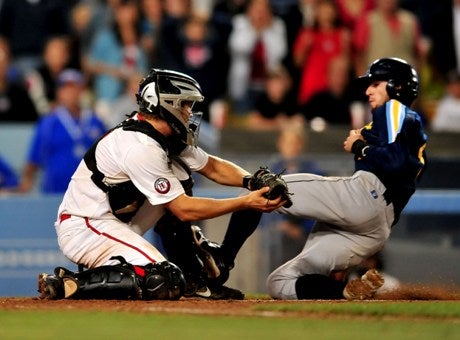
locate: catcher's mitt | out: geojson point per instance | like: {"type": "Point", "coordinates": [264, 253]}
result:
{"type": "Point", "coordinates": [266, 178]}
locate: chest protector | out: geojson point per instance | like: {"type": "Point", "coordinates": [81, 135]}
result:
{"type": "Point", "coordinates": [124, 198]}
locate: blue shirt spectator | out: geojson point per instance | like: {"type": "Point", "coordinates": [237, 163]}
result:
{"type": "Point", "coordinates": [8, 178]}
{"type": "Point", "coordinates": [62, 137]}
{"type": "Point", "coordinates": [116, 54]}
{"type": "Point", "coordinates": [108, 54]}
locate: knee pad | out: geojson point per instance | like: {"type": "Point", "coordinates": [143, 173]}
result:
{"type": "Point", "coordinates": [163, 281]}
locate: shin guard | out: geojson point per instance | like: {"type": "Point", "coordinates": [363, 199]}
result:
{"type": "Point", "coordinates": [108, 282]}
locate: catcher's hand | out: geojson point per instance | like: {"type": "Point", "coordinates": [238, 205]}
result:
{"type": "Point", "coordinates": [266, 178]}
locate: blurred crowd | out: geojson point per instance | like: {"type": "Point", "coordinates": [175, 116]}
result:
{"type": "Point", "coordinates": [262, 64]}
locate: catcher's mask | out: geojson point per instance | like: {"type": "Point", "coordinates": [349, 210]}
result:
{"type": "Point", "coordinates": [403, 82]}
{"type": "Point", "coordinates": [166, 93]}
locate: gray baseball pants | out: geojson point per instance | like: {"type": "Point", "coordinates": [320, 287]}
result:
{"type": "Point", "coordinates": [353, 223]}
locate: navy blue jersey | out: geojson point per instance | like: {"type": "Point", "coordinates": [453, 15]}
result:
{"type": "Point", "coordinates": [396, 152]}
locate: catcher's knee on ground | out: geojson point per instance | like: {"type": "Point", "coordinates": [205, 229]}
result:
{"type": "Point", "coordinates": [155, 281]}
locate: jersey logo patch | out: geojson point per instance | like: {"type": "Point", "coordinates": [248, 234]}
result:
{"type": "Point", "coordinates": [374, 194]}
{"type": "Point", "coordinates": [162, 185]}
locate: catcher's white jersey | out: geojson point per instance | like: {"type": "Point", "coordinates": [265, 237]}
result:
{"type": "Point", "coordinates": [90, 234]}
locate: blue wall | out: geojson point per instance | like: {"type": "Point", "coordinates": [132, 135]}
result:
{"type": "Point", "coordinates": [28, 244]}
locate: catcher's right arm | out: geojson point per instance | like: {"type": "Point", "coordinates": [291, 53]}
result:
{"type": "Point", "coordinates": [266, 178]}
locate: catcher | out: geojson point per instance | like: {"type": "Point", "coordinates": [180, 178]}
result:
{"type": "Point", "coordinates": [138, 176]}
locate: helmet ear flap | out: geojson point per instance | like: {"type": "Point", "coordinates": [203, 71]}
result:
{"type": "Point", "coordinates": [392, 89]}
{"type": "Point", "coordinates": [148, 96]}
{"type": "Point", "coordinates": [398, 92]}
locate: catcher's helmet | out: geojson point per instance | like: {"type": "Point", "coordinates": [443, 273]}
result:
{"type": "Point", "coordinates": [162, 93]}
{"type": "Point", "coordinates": [402, 78]}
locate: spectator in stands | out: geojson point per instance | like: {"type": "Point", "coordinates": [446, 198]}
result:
{"type": "Point", "coordinates": [85, 19]}
{"type": "Point", "coordinates": [351, 11]}
{"type": "Point", "coordinates": [124, 104]}
{"type": "Point", "coordinates": [276, 105]}
{"type": "Point", "coordinates": [175, 13]}
{"type": "Point", "coordinates": [315, 47]}
{"type": "Point", "coordinates": [201, 52]}
{"type": "Point", "coordinates": [292, 147]}
{"type": "Point", "coordinates": [295, 14]}
{"type": "Point", "coordinates": [308, 10]}
{"type": "Point", "coordinates": [388, 30]}
{"type": "Point", "coordinates": [203, 55]}
{"type": "Point", "coordinates": [292, 231]}
{"type": "Point", "coordinates": [8, 177]}
{"type": "Point", "coordinates": [61, 137]}
{"type": "Point", "coordinates": [447, 115]}
{"type": "Point", "coordinates": [41, 82]}
{"type": "Point", "coordinates": [28, 24]}
{"type": "Point", "coordinates": [115, 55]}
{"type": "Point", "coordinates": [229, 8]}
{"type": "Point", "coordinates": [299, 14]}
{"type": "Point", "coordinates": [15, 103]}
{"type": "Point", "coordinates": [333, 104]}
{"type": "Point", "coordinates": [445, 51]}
{"type": "Point", "coordinates": [151, 27]}
{"type": "Point", "coordinates": [257, 44]}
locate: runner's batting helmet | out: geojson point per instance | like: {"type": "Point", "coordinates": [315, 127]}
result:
{"type": "Point", "coordinates": [402, 78]}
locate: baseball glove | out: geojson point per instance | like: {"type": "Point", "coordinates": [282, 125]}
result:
{"type": "Point", "coordinates": [266, 178]}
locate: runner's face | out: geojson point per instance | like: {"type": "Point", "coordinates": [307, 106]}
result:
{"type": "Point", "coordinates": [377, 93]}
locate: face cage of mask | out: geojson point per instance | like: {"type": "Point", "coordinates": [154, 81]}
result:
{"type": "Point", "coordinates": [174, 106]}
{"type": "Point", "coordinates": [193, 130]}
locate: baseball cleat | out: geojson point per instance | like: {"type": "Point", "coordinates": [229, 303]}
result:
{"type": "Point", "coordinates": [203, 292]}
{"type": "Point", "coordinates": [210, 254]}
{"type": "Point", "coordinates": [197, 287]}
{"type": "Point", "coordinates": [364, 288]}
{"type": "Point", "coordinates": [225, 293]}
{"type": "Point", "coordinates": [217, 293]}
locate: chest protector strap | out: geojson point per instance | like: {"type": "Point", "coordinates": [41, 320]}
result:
{"type": "Point", "coordinates": [124, 198]}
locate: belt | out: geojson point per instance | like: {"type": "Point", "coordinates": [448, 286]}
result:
{"type": "Point", "coordinates": [64, 217]}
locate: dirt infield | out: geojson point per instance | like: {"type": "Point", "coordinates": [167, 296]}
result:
{"type": "Point", "coordinates": [204, 307]}
{"type": "Point", "coordinates": [183, 306]}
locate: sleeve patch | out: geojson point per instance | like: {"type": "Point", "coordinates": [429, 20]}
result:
{"type": "Point", "coordinates": [395, 114]}
{"type": "Point", "coordinates": [162, 185]}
